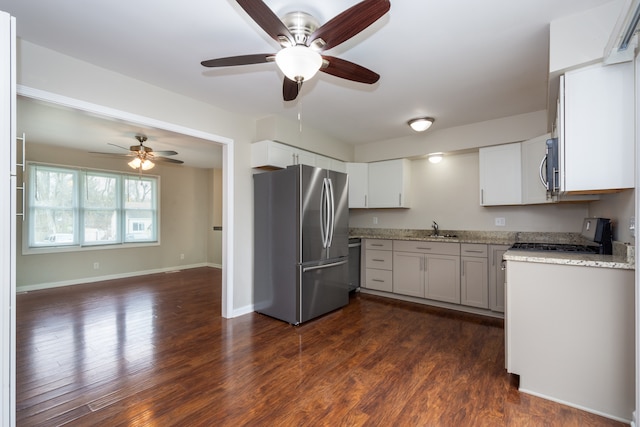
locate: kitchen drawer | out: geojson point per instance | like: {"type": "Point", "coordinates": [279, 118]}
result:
{"type": "Point", "coordinates": [385, 245]}
{"type": "Point", "coordinates": [379, 259]}
{"type": "Point", "coordinates": [474, 250]}
{"type": "Point", "coordinates": [380, 280]}
{"type": "Point", "coordinates": [425, 247]}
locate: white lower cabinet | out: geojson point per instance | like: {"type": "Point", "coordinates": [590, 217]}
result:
{"type": "Point", "coordinates": [467, 274]}
{"type": "Point", "coordinates": [474, 278]}
{"type": "Point", "coordinates": [443, 278]}
{"type": "Point", "coordinates": [427, 270]}
{"type": "Point", "coordinates": [378, 265]}
{"type": "Point", "coordinates": [408, 274]}
{"type": "Point", "coordinates": [496, 277]}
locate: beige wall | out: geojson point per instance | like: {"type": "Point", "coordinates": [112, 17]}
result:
{"type": "Point", "coordinates": [184, 223]}
{"type": "Point", "coordinates": [215, 219]}
{"type": "Point", "coordinates": [448, 193]}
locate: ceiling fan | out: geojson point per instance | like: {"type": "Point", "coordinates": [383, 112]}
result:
{"type": "Point", "coordinates": [143, 155]}
{"type": "Point", "coordinates": [302, 40]}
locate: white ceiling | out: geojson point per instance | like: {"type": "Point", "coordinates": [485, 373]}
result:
{"type": "Point", "coordinates": [460, 61]}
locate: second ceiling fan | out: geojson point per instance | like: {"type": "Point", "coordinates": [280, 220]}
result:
{"type": "Point", "coordinates": [302, 39]}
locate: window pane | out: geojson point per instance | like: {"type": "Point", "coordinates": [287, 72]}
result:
{"type": "Point", "coordinates": [100, 209]}
{"type": "Point", "coordinates": [52, 202]}
{"type": "Point", "coordinates": [140, 210]}
{"type": "Point", "coordinates": [140, 226]}
{"type": "Point", "coordinates": [139, 193]}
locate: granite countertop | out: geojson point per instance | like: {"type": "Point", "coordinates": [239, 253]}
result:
{"type": "Point", "coordinates": [568, 258]}
{"type": "Point", "coordinates": [623, 254]}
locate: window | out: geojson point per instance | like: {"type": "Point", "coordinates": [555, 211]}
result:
{"type": "Point", "coordinates": [81, 208]}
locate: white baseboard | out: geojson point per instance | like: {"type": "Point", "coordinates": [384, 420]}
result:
{"type": "Point", "coordinates": [574, 405]}
{"type": "Point", "coordinates": [243, 310]}
{"type": "Point", "coordinates": [50, 285]}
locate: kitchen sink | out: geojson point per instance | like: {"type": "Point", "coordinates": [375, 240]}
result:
{"type": "Point", "coordinates": [444, 236]}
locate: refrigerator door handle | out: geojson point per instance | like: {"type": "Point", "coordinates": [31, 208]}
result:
{"type": "Point", "coordinates": [332, 211]}
{"type": "Point", "coordinates": [319, 267]}
{"type": "Point", "coordinates": [324, 214]}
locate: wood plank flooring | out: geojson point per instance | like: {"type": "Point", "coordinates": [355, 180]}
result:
{"type": "Point", "coordinates": [154, 351]}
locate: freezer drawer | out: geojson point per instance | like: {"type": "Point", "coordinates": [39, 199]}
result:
{"type": "Point", "coordinates": [324, 288]}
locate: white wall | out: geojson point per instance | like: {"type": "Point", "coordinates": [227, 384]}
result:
{"type": "Point", "coordinates": [492, 132]}
{"type": "Point", "coordinates": [298, 134]}
{"type": "Point", "coordinates": [620, 208]}
{"type": "Point", "coordinates": [448, 193]}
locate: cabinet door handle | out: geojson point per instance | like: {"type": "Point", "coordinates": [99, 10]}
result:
{"type": "Point", "coordinates": [399, 199]}
{"type": "Point", "coordinates": [482, 196]}
{"type": "Point", "coordinates": [365, 200]}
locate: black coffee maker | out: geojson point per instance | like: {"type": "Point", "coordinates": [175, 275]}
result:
{"type": "Point", "coordinates": [598, 230]}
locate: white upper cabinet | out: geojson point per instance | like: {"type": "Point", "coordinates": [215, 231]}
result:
{"type": "Point", "coordinates": [331, 164]}
{"type": "Point", "coordinates": [596, 128]}
{"type": "Point", "coordinates": [389, 184]}
{"type": "Point", "coordinates": [358, 184]}
{"type": "Point", "coordinates": [500, 175]}
{"type": "Point", "coordinates": [272, 154]}
{"type": "Point", "coordinates": [275, 155]}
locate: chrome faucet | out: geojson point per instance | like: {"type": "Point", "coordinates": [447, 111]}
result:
{"type": "Point", "coordinates": [435, 228]}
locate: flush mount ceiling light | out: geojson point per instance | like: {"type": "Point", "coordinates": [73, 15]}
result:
{"type": "Point", "coordinates": [299, 63]}
{"type": "Point", "coordinates": [435, 157]}
{"type": "Point", "coordinates": [421, 124]}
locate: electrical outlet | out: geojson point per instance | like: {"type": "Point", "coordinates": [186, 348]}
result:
{"type": "Point", "coordinates": [96, 265]}
{"type": "Point", "coordinates": [501, 222]}
{"type": "Point", "coordinates": [375, 220]}
{"type": "Point", "coordinates": [632, 226]}
{"type": "Point", "coordinates": [181, 256]}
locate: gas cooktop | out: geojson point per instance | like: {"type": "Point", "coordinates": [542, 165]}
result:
{"type": "Point", "coordinates": [557, 247]}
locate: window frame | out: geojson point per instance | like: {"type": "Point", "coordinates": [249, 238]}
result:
{"type": "Point", "coordinates": [79, 244]}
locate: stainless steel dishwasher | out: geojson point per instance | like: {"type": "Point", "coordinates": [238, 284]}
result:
{"type": "Point", "coordinates": [354, 263]}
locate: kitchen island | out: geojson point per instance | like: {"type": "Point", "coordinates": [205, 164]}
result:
{"type": "Point", "coordinates": [569, 329]}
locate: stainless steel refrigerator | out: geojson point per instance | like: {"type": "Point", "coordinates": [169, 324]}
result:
{"type": "Point", "coordinates": [301, 243]}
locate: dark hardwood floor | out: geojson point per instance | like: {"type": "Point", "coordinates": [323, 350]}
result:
{"type": "Point", "coordinates": [154, 351]}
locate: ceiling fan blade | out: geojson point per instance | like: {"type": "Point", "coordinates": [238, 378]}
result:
{"type": "Point", "coordinates": [119, 146]}
{"type": "Point", "coordinates": [165, 153]}
{"type": "Point", "coordinates": [290, 89]}
{"type": "Point", "coordinates": [350, 22]}
{"type": "Point", "coordinates": [112, 154]}
{"type": "Point", "coordinates": [350, 71]}
{"type": "Point", "coordinates": [229, 61]}
{"type": "Point", "coordinates": [166, 160]}
{"type": "Point", "coordinates": [266, 19]}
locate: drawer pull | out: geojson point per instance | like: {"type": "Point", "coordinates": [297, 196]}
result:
{"type": "Point", "coordinates": [379, 260]}
{"type": "Point", "coordinates": [377, 244]}
{"type": "Point", "coordinates": [377, 280]}
{"type": "Point", "coordinates": [474, 251]}
{"type": "Point", "coordinates": [420, 247]}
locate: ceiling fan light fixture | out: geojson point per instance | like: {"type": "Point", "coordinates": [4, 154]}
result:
{"type": "Point", "coordinates": [138, 163]}
{"type": "Point", "coordinates": [299, 63]}
{"type": "Point", "coordinates": [421, 124]}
